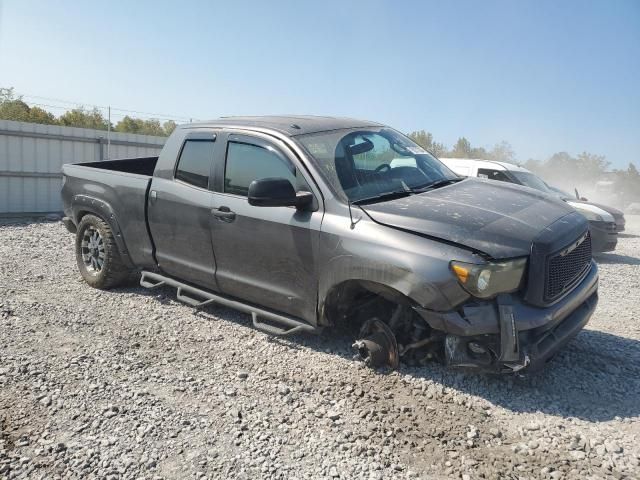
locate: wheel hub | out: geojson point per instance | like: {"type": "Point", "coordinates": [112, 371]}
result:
{"type": "Point", "coordinates": [93, 253]}
{"type": "Point", "coordinates": [377, 345]}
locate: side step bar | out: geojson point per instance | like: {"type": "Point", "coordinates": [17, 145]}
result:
{"type": "Point", "coordinates": [199, 298]}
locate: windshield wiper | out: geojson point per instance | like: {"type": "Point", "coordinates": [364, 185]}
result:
{"type": "Point", "coordinates": [436, 184]}
{"type": "Point", "coordinates": [384, 196]}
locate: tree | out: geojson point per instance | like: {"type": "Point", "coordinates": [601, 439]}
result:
{"type": "Point", "coordinates": [502, 151]}
{"type": "Point", "coordinates": [143, 127]}
{"type": "Point", "coordinates": [462, 149]}
{"type": "Point", "coordinates": [7, 95]}
{"type": "Point", "coordinates": [439, 149]}
{"type": "Point", "coordinates": [152, 127]}
{"type": "Point", "coordinates": [422, 138]}
{"type": "Point", "coordinates": [12, 107]}
{"type": "Point", "coordinates": [627, 184]}
{"type": "Point", "coordinates": [15, 110]}
{"type": "Point", "coordinates": [40, 115]}
{"type": "Point", "coordinates": [590, 165]}
{"type": "Point", "coordinates": [79, 117]}
{"type": "Point", "coordinates": [478, 152]}
{"type": "Point", "coordinates": [169, 126]}
{"type": "Point", "coordinates": [128, 125]}
{"type": "Point", "coordinates": [586, 168]}
{"type": "Point", "coordinates": [425, 140]}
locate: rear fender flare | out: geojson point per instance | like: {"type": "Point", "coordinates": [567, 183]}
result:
{"type": "Point", "coordinates": [85, 204]}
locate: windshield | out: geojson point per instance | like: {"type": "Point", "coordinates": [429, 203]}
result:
{"type": "Point", "coordinates": [364, 164]}
{"type": "Point", "coordinates": [528, 179]}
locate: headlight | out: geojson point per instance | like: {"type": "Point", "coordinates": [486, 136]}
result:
{"type": "Point", "coordinates": [592, 213]}
{"type": "Point", "coordinates": [489, 279]}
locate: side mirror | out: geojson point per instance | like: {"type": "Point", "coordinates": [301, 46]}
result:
{"type": "Point", "coordinates": [277, 192]}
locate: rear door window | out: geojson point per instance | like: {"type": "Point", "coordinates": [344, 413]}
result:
{"type": "Point", "coordinates": [194, 165]}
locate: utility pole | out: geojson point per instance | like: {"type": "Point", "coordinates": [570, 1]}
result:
{"type": "Point", "coordinates": [108, 131]}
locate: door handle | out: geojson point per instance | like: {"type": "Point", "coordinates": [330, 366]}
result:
{"type": "Point", "coordinates": [224, 213]}
{"type": "Point", "coordinates": [153, 195]}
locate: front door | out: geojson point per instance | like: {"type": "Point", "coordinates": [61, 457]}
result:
{"type": "Point", "coordinates": [264, 255]}
{"type": "Point", "coordinates": [180, 214]}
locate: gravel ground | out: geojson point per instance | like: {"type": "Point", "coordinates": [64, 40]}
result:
{"type": "Point", "coordinates": [132, 384]}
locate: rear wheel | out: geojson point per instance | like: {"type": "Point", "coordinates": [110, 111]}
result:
{"type": "Point", "coordinates": [97, 254]}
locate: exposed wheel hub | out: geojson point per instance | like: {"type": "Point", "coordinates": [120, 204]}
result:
{"type": "Point", "coordinates": [377, 345]}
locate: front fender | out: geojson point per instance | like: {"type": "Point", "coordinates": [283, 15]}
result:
{"type": "Point", "coordinates": [414, 266]}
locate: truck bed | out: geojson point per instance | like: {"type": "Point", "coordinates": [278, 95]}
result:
{"type": "Point", "coordinates": [117, 191]}
{"type": "Point", "coordinates": [139, 166]}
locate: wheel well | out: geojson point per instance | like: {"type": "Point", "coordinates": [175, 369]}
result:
{"type": "Point", "coordinates": [110, 220]}
{"type": "Point", "coordinates": [84, 213]}
{"type": "Point", "coordinates": [349, 300]}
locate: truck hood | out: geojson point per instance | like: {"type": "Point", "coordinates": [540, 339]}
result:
{"type": "Point", "coordinates": [497, 218]}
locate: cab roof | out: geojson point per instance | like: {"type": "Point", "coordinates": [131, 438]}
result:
{"type": "Point", "coordinates": [290, 125]}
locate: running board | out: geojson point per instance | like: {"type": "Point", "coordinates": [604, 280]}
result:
{"type": "Point", "coordinates": [194, 297]}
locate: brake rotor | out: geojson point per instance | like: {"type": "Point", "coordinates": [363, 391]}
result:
{"type": "Point", "coordinates": [377, 345]}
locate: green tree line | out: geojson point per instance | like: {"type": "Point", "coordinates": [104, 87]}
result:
{"type": "Point", "coordinates": [13, 107]}
{"type": "Point", "coordinates": [463, 149]}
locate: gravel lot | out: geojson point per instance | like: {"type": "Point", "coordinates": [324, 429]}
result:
{"type": "Point", "coordinates": [132, 384]}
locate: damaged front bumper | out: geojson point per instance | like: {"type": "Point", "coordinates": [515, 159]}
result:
{"type": "Point", "coordinates": [508, 335]}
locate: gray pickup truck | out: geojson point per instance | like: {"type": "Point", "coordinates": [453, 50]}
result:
{"type": "Point", "coordinates": [304, 223]}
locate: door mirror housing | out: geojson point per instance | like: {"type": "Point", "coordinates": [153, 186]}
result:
{"type": "Point", "coordinates": [277, 192]}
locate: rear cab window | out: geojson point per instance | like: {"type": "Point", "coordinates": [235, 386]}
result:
{"type": "Point", "coordinates": [195, 162]}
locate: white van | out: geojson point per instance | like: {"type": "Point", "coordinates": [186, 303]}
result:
{"type": "Point", "coordinates": [493, 170]}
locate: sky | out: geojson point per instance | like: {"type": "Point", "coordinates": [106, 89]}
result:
{"type": "Point", "coordinates": [545, 76]}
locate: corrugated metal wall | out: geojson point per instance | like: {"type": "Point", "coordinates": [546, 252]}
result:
{"type": "Point", "coordinates": [31, 158]}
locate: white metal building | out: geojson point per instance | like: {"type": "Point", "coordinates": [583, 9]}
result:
{"type": "Point", "coordinates": [32, 155]}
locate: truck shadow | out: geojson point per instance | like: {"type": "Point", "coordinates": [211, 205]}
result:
{"type": "Point", "coordinates": [615, 259]}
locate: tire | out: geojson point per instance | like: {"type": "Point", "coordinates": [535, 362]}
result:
{"type": "Point", "coordinates": [97, 254]}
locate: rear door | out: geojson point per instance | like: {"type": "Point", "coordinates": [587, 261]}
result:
{"type": "Point", "coordinates": [265, 255]}
{"type": "Point", "coordinates": [180, 213]}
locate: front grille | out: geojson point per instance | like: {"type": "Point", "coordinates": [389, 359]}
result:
{"type": "Point", "coordinates": [566, 269]}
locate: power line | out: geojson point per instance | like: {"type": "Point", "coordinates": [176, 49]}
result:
{"type": "Point", "coordinates": [118, 115]}
{"type": "Point", "coordinates": [161, 116]}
